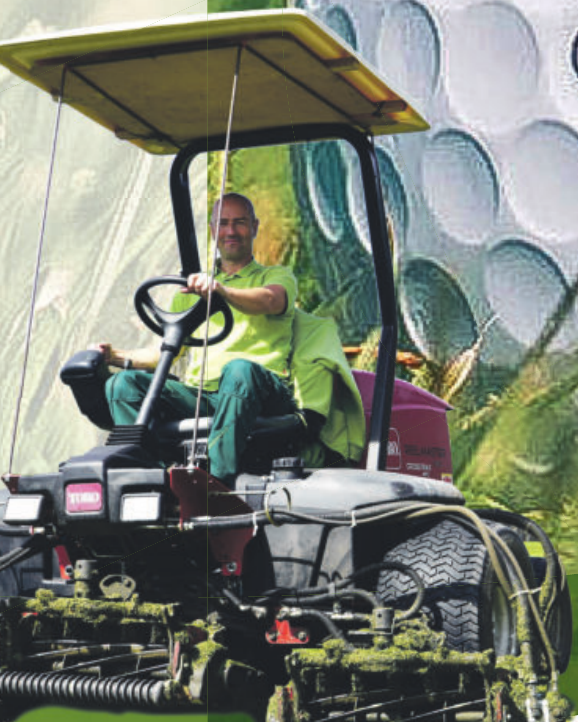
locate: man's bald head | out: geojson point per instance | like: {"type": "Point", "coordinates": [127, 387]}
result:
{"type": "Point", "coordinates": [237, 230]}
{"type": "Point", "coordinates": [239, 198]}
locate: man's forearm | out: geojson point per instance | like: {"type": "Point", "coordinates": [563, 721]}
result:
{"type": "Point", "coordinates": [270, 300]}
{"type": "Point", "coordinates": [145, 359]}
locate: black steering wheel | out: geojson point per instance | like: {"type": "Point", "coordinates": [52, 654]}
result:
{"type": "Point", "coordinates": [186, 322]}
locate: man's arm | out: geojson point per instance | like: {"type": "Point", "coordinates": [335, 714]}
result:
{"type": "Point", "coordinates": [270, 300]}
{"type": "Point", "coordinates": [140, 358]}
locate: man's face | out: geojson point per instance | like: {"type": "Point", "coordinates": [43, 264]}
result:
{"type": "Point", "coordinates": [236, 232]}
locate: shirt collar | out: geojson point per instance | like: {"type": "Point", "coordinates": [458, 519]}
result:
{"type": "Point", "coordinates": [247, 270]}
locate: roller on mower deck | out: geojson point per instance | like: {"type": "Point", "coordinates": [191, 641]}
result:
{"type": "Point", "coordinates": [131, 579]}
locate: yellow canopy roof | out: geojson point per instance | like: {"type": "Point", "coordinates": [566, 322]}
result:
{"type": "Point", "coordinates": [166, 84]}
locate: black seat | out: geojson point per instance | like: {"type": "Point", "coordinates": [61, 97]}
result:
{"type": "Point", "coordinates": [265, 426]}
{"type": "Point", "coordinates": [272, 436]}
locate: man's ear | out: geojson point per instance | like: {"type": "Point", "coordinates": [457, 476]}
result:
{"type": "Point", "coordinates": [255, 227]}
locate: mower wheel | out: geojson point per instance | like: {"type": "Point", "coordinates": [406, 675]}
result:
{"type": "Point", "coordinates": [559, 620]}
{"type": "Point", "coordinates": [463, 597]}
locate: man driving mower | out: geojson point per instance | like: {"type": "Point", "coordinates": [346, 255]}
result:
{"type": "Point", "coordinates": [247, 375]}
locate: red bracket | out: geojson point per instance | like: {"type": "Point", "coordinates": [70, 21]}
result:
{"type": "Point", "coordinates": [11, 481]}
{"type": "Point", "coordinates": [283, 633]}
{"type": "Point", "coordinates": [64, 562]}
{"type": "Point", "coordinates": [200, 496]}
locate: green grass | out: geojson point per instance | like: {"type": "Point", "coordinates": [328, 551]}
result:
{"type": "Point", "coordinates": [58, 714]}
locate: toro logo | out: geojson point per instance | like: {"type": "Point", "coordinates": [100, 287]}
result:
{"type": "Point", "coordinates": [393, 450]}
{"type": "Point", "coordinates": [83, 498]}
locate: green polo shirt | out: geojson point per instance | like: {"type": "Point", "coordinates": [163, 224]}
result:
{"type": "Point", "coordinates": [264, 339]}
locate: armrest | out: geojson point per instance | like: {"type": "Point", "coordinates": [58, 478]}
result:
{"type": "Point", "coordinates": [84, 366]}
{"type": "Point", "coordinates": [86, 374]}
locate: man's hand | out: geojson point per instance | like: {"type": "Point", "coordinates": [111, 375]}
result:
{"type": "Point", "coordinates": [270, 300]}
{"type": "Point", "coordinates": [142, 358]}
{"type": "Point", "coordinates": [111, 357]}
{"type": "Point", "coordinates": [200, 283]}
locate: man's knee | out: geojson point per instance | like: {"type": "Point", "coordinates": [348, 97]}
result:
{"type": "Point", "coordinates": [127, 385]}
{"type": "Point", "coordinates": [239, 376]}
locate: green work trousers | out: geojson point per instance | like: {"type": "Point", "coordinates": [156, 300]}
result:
{"type": "Point", "coordinates": [246, 391]}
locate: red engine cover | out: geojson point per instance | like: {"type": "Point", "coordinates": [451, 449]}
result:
{"type": "Point", "coordinates": [419, 439]}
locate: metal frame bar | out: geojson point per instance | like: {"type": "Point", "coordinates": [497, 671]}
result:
{"type": "Point", "coordinates": [188, 248]}
{"type": "Point", "coordinates": [301, 85]}
{"type": "Point", "coordinates": [159, 134]}
{"type": "Point", "coordinates": [127, 54]}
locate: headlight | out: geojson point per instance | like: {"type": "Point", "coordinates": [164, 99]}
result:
{"type": "Point", "coordinates": [141, 507]}
{"type": "Point", "coordinates": [24, 509]}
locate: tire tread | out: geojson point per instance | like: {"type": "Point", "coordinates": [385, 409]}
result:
{"type": "Point", "coordinates": [452, 562]}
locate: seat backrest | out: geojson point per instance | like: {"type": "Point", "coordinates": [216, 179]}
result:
{"type": "Point", "coordinates": [419, 441]}
{"type": "Point", "coordinates": [323, 384]}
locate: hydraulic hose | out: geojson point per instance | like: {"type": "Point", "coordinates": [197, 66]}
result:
{"type": "Point", "coordinates": [516, 586]}
{"type": "Point", "coordinates": [549, 592]}
{"type": "Point", "coordinates": [344, 518]}
{"type": "Point", "coordinates": [403, 569]}
{"type": "Point", "coordinates": [333, 630]}
{"type": "Point", "coordinates": [316, 595]}
{"type": "Point", "coordinates": [337, 594]}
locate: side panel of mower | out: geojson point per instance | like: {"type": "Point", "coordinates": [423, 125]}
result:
{"type": "Point", "coordinates": [305, 556]}
{"type": "Point", "coordinates": [419, 439]}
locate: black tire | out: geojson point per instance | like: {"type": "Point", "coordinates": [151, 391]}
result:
{"type": "Point", "coordinates": [463, 596]}
{"type": "Point", "coordinates": [559, 622]}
